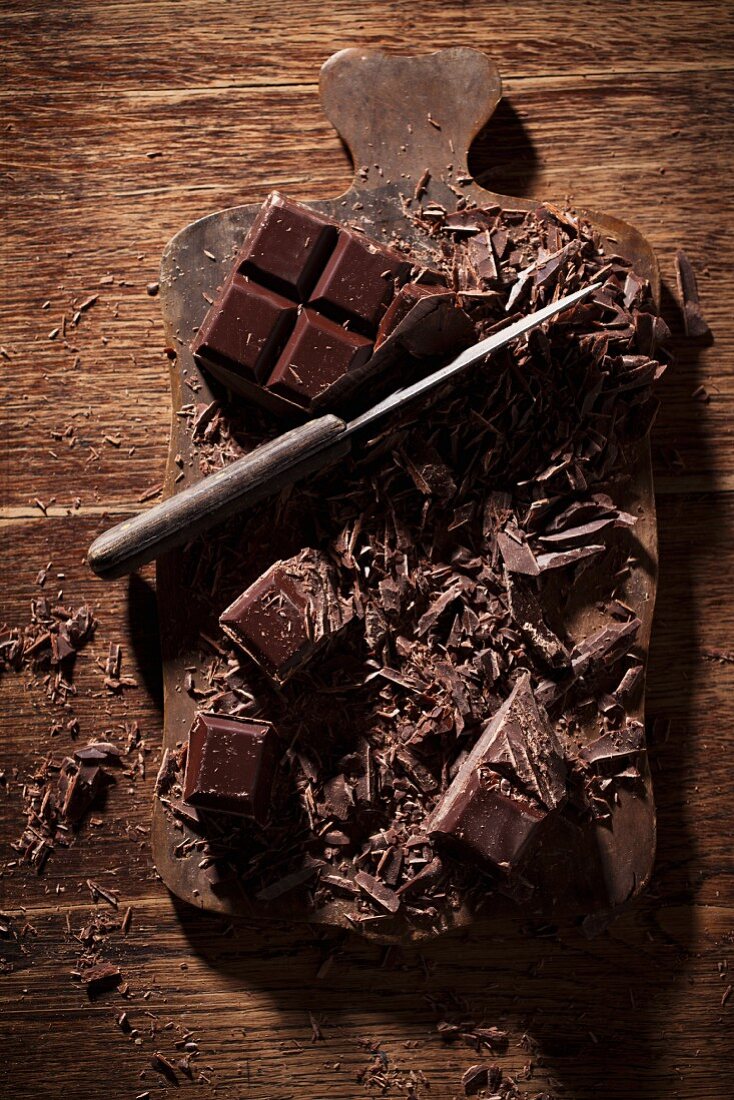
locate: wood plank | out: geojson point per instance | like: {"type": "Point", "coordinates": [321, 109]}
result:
{"type": "Point", "coordinates": [78, 44]}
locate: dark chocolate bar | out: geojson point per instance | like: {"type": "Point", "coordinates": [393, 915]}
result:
{"type": "Point", "coordinates": [300, 309]}
{"type": "Point", "coordinates": [288, 613]}
{"type": "Point", "coordinates": [511, 780]}
{"type": "Point", "coordinates": [230, 765]}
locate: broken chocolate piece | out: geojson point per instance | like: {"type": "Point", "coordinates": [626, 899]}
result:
{"type": "Point", "coordinates": [230, 765]}
{"type": "Point", "coordinates": [528, 614]}
{"type": "Point", "coordinates": [445, 330]}
{"type": "Point", "coordinates": [512, 778]}
{"type": "Point", "coordinates": [693, 319]}
{"type": "Point", "coordinates": [615, 750]}
{"type": "Point", "coordinates": [378, 891]}
{"type": "Point", "coordinates": [286, 615]}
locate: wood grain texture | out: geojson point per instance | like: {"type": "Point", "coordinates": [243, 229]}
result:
{"type": "Point", "coordinates": [591, 107]}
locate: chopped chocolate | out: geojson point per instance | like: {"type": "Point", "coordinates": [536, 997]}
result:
{"type": "Point", "coordinates": [615, 749]}
{"type": "Point", "coordinates": [378, 891]}
{"type": "Point", "coordinates": [230, 765]}
{"type": "Point", "coordinates": [465, 543]}
{"type": "Point", "coordinates": [604, 646]}
{"type": "Point", "coordinates": [693, 319]}
{"type": "Point", "coordinates": [528, 614]}
{"type": "Point", "coordinates": [513, 777]}
{"type": "Point", "coordinates": [101, 977]}
{"type": "Point", "coordinates": [286, 615]}
{"type": "Point", "coordinates": [299, 312]}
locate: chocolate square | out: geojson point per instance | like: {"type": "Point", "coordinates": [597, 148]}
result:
{"type": "Point", "coordinates": [288, 613]}
{"type": "Point", "coordinates": [230, 765]}
{"type": "Point", "coordinates": [318, 353]}
{"type": "Point", "coordinates": [358, 281]}
{"type": "Point", "coordinates": [288, 246]}
{"type": "Point", "coordinates": [246, 329]}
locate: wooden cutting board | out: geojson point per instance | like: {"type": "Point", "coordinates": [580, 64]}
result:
{"type": "Point", "coordinates": [399, 116]}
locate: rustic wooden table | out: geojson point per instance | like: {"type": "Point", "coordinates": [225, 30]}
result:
{"type": "Point", "coordinates": [123, 122]}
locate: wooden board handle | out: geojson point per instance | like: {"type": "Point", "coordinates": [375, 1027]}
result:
{"type": "Point", "coordinates": [408, 114]}
{"type": "Point", "coordinates": [264, 471]}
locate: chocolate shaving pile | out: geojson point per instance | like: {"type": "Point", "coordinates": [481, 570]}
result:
{"type": "Point", "coordinates": [465, 535]}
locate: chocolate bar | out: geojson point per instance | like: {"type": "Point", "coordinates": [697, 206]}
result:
{"type": "Point", "coordinates": [301, 308]}
{"type": "Point", "coordinates": [230, 765]}
{"type": "Point", "coordinates": [511, 780]}
{"type": "Point", "coordinates": [288, 613]}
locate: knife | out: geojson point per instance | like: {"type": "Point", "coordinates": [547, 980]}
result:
{"type": "Point", "coordinates": [288, 458]}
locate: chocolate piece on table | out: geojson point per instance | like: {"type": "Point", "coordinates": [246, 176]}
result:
{"type": "Point", "coordinates": [296, 320]}
{"type": "Point", "coordinates": [511, 780]}
{"type": "Point", "coordinates": [230, 765]}
{"type": "Point", "coordinates": [288, 613]}
{"type": "Point", "coordinates": [693, 319]}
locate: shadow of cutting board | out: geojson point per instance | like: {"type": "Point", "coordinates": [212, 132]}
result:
{"type": "Point", "coordinates": [399, 116]}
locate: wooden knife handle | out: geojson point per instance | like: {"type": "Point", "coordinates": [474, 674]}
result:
{"type": "Point", "coordinates": [264, 471]}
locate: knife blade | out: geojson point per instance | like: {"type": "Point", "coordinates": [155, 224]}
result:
{"type": "Point", "coordinates": [288, 458]}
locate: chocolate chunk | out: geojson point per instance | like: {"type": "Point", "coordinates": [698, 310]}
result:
{"type": "Point", "coordinates": [79, 784]}
{"type": "Point", "coordinates": [512, 778]}
{"type": "Point", "coordinates": [378, 892]}
{"type": "Point", "coordinates": [445, 329]}
{"type": "Point", "coordinates": [604, 646]}
{"type": "Point", "coordinates": [318, 353]}
{"type": "Point", "coordinates": [246, 329]}
{"type": "Point", "coordinates": [516, 554]}
{"type": "Point", "coordinates": [693, 319]}
{"type": "Point", "coordinates": [286, 615]}
{"type": "Point", "coordinates": [615, 750]}
{"type": "Point", "coordinates": [230, 765]}
{"type": "Point", "coordinates": [287, 246]}
{"type": "Point", "coordinates": [298, 314]}
{"type": "Point", "coordinates": [528, 614]}
{"type": "Point", "coordinates": [101, 977]}
{"type": "Point", "coordinates": [358, 280]}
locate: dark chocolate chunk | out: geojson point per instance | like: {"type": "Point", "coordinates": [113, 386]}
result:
{"type": "Point", "coordinates": [246, 328]}
{"type": "Point", "coordinates": [528, 614]}
{"type": "Point", "coordinates": [288, 245]}
{"type": "Point", "coordinates": [230, 765]}
{"type": "Point", "coordinates": [445, 330]}
{"type": "Point", "coordinates": [378, 891]}
{"type": "Point", "coordinates": [512, 778]}
{"type": "Point", "coordinates": [318, 353]}
{"type": "Point", "coordinates": [615, 750]}
{"type": "Point", "coordinates": [358, 280]}
{"type": "Point", "coordinates": [286, 615]}
{"type": "Point", "coordinates": [693, 319]}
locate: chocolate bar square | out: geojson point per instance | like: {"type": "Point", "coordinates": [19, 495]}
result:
{"type": "Point", "coordinates": [358, 281]}
{"type": "Point", "coordinates": [246, 328]}
{"type": "Point", "coordinates": [230, 765]}
{"type": "Point", "coordinates": [318, 353]}
{"type": "Point", "coordinates": [288, 613]}
{"type": "Point", "coordinates": [288, 245]}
